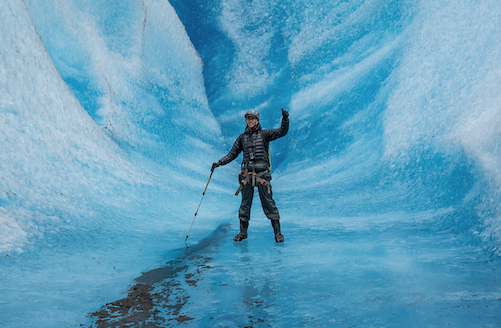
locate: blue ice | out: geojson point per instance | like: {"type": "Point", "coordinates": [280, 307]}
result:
{"type": "Point", "coordinates": [388, 183]}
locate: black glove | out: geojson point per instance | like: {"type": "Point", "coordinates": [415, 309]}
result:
{"type": "Point", "coordinates": [214, 165]}
{"type": "Point", "coordinates": [285, 114]}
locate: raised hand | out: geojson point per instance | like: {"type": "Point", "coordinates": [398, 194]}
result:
{"type": "Point", "coordinates": [285, 114]}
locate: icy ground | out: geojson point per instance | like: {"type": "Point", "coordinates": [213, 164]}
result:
{"type": "Point", "coordinates": [389, 273]}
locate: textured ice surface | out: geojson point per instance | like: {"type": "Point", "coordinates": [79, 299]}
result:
{"type": "Point", "coordinates": [392, 104]}
{"type": "Point", "coordinates": [388, 181]}
{"type": "Point", "coordinates": [389, 273]}
{"type": "Point", "coordinates": [79, 207]}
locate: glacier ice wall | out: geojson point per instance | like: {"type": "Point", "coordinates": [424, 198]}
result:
{"type": "Point", "coordinates": [106, 147]}
{"type": "Point", "coordinates": [393, 104]}
{"type": "Point", "coordinates": [52, 151]}
{"type": "Point", "coordinates": [112, 112]}
{"type": "Point", "coordinates": [133, 68]}
{"type": "Point", "coordinates": [61, 157]}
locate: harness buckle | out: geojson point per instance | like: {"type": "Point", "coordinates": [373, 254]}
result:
{"type": "Point", "coordinates": [251, 177]}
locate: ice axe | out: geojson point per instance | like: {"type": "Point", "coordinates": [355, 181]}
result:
{"type": "Point", "coordinates": [212, 171]}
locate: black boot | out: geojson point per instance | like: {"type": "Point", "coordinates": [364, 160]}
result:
{"type": "Point", "coordinates": [276, 229]}
{"type": "Point", "coordinates": [243, 231]}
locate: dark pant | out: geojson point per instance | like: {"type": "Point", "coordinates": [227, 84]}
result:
{"type": "Point", "coordinates": [269, 206]}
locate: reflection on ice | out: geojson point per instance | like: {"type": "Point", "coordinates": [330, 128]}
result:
{"type": "Point", "coordinates": [393, 275]}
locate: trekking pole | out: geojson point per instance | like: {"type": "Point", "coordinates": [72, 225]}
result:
{"type": "Point", "coordinates": [199, 206]}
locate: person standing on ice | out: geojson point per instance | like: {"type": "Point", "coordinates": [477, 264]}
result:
{"type": "Point", "coordinates": [256, 170]}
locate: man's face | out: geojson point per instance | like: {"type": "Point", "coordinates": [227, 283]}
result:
{"type": "Point", "coordinates": [251, 121]}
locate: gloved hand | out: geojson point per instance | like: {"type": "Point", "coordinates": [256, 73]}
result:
{"type": "Point", "coordinates": [285, 114]}
{"type": "Point", "coordinates": [214, 165]}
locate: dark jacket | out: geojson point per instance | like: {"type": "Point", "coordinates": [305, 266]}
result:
{"type": "Point", "coordinates": [254, 148]}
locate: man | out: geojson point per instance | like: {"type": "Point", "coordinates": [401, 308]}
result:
{"type": "Point", "coordinates": [255, 170]}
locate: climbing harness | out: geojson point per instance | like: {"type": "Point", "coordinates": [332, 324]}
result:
{"type": "Point", "coordinates": [252, 178]}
